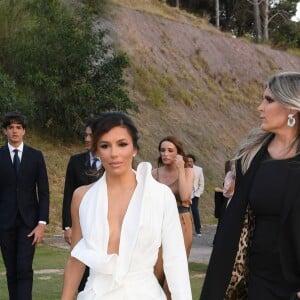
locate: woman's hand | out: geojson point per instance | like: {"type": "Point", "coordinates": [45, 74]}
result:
{"type": "Point", "coordinates": [179, 162]}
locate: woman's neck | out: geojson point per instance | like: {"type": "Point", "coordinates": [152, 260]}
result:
{"type": "Point", "coordinates": [283, 146]}
{"type": "Point", "coordinates": [123, 180]}
{"type": "Point", "coordinates": [170, 168]}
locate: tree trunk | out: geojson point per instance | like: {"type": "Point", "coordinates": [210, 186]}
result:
{"type": "Point", "coordinates": [177, 3]}
{"type": "Point", "coordinates": [217, 14]}
{"type": "Point", "coordinates": [266, 20]}
{"type": "Point", "coordinates": [257, 22]}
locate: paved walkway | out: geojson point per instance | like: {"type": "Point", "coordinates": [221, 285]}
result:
{"type": "Point", "coordinates": [202, 245]}
{"type": "Point", "coordinates": [200, 252]}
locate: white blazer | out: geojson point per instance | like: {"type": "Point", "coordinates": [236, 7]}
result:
{"type": "Point", "coordinates": [198, 187]}
{"type": "Point", "coordinates": [151, 220]}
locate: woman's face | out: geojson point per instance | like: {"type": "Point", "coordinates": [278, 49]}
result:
{"type": "Point", "coordinates": [168, 152]}
{"type": "Point", "coordinates": [116, 150]}
{"type": "Point", "coordinates": [272, 114]}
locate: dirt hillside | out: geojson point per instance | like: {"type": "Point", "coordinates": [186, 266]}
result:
{"type": "Point", "coordinates": [198, 84]}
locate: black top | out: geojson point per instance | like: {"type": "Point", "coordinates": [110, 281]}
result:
{"type": "Point", "coordinates": [223, 255]}
{"type": "Point", "coordinates": [266, 199]}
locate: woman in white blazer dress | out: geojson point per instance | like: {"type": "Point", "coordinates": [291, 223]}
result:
{"type": "Point", "coordinates": [120, 222]}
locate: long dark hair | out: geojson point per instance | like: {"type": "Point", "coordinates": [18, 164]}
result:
{"type": "Point", "coordinates": [106, 121]}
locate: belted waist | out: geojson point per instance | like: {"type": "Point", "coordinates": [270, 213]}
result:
{"type": "Point", "coordinates": [183, 209]}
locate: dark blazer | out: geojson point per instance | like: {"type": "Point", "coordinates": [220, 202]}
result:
{"type": "Point", "coordinates": [227, 237]}
{"type": "Point", "coordinates": [27, 192]}
{"type": "Point", "coordinates": [78, 173]}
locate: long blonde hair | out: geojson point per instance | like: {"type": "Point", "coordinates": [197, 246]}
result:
{"type": "Point", "coordinates": [285, 87]}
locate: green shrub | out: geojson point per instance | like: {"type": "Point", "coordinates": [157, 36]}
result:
{"type": "Point", "coordinates": [67, 66]}
{"type": "Point", "coordinates": [11, 99]}
{"type": "Point", "coordinates": [97, 6]}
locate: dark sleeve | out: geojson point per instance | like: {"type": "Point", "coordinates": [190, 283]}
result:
{"type": "Point", "coordinates": [43, 189]}
{"type": "Point", "coordinates": [70, 185]}
{"type": "Point", "coordinates": [291, 246]}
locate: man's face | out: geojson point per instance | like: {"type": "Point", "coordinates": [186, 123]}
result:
{"type": "Point", "coordinates": [15, 133]}
{"type": "Point", "coordinates": [88, 138]}
{"type": "Point", "coordinates": [189, 162]}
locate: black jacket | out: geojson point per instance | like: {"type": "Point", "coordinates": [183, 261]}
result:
{"type": "Point", "coordinates": [78, 174]}
{"type": "Point", "coordinates": [226, 242]}
{"type": "Point", "coordinates": [26, 193]}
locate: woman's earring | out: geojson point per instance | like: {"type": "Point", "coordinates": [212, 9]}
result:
{"type": "Point", "coordinates": [291, 120]}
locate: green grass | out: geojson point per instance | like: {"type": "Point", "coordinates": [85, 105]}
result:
{"type": "Point", "coordinates": [197, 271]}
{"type": "Point", "coordinates": [47, 286]}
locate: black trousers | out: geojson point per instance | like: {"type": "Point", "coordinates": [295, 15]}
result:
{"type": "Point", "coordinates": [196, 215]}
{"type": "Point", "coordinates": [17, 252]}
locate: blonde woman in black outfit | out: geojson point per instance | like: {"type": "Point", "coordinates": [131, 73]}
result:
{"type": "Point", "coordinates": [267, 183]}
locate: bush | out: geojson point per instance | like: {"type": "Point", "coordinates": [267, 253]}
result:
{"type": "Point", "coordinates": [11, 99]}
{"type": "Point", "coordinates": [286, 36]}
{"type": "Point", "coordinates": [97, 6]}
{"type": "Point", "coordinates": [70, 70]}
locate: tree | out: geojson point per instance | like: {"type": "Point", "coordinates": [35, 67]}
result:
{"type": "Point", "coordinates": [284, 32]}
{"type": "Point", "coordinates": [257, 21]}
{"type": "Point", "coordinates": [265, 17]}
{"type": "Point", "coordinates": [11, 98]}
{"type": "Point", "coordinates": [65, 66]}
{"type": "Point", "coordinates": [277, 15]}
{"type": "Point", "coordinates": [261, 19]}
{"type": "Point", "coordinates": [217, 14]}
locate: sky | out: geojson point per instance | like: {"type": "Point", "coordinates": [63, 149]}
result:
{"type": "Point", "coordinates": [297, 17]}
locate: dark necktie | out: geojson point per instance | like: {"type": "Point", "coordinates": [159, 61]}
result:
{"type": "Point", "coordinates": [94, 164]}
{"type": "Point", "coordinates": [16, 161]}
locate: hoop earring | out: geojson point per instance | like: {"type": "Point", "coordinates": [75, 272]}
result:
{"type": "Point", "coordinates": [291, 120]}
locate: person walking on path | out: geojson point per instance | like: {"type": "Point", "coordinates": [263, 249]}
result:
{"type": "Point", "coordinates": [198, 189]}
{"type": "Point", "coordinates": [173, 172]}
{"type": "Point", "coordinates": [24, 206]}
{"type": "Point", "coordinates": [81, 170]}
{"type": "Point", "coordinates": [119, 223]}
{"type": "Point", "coordinates": [256, 254]}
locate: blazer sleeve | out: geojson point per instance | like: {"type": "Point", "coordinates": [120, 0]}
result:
{"type": "Point", "coordinates": [43, 189]}
{"type": "Point", "coordinates": [69, 188]}
{"type": "Point", "coordinates": [296, 241]}
{"type": "Point", "coordinates": [290, 245]}
{"type": "Point", "coordinates": [200, 188]}
{"type": "Point", "coordinates": [174, 254]}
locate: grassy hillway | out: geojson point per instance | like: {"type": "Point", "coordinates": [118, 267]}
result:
{"type": "Point", "coordinates": [192, 81]}
{"type": "Point", "coordinates": [188, 80]}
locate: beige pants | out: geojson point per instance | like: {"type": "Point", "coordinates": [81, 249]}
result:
{"type": "Point", "coordinates": [187, 230]}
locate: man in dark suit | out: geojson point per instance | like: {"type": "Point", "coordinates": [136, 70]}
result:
{"type": "Point", "coordinates": [24, 206]}
{"type": "Point", "coordinates": [81, 170]}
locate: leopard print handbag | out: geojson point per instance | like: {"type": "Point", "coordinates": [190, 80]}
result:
{"type": "Point", "coordinates": [237, 288]}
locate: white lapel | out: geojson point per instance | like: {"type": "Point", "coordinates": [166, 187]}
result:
{"type": "Point", "coordinates": [92, 249]}
{"type": "Point", "coordinates": [133, 221]}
